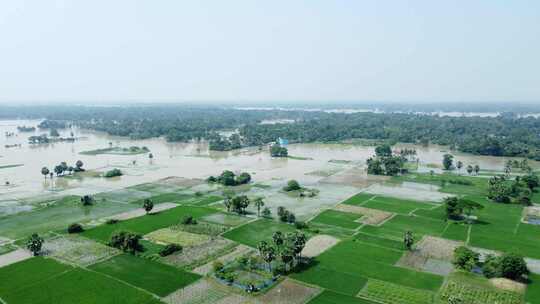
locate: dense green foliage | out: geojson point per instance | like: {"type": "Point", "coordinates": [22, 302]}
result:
{"type": "Point", "coordinates": [278, 151]}
{"type": "Point", "coordinates": [465, 258]}
{"type": "Point", "coordinates": [384, 162]}
{"type": "Point", "coordinates": [506, 135]}
{"type": "Point", "coordinates": [228, 178]}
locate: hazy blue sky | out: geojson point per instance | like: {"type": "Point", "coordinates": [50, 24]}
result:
{"type": "Point", "coordinates": [270, 50]}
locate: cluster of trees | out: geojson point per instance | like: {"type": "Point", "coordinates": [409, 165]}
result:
{"type": "Point", "coordinates": [228, 178]}
{"type": "Point", "coordinates": [285, 215]}
{"type": "Point", "coordinates": [448, 164]}
{"type": "Point", "coordinates": [503, 189]}
{"type": "Point", "coordinates": [53, 124]}
{"type": "Point", "coordinates": [505, 135]}
{"type": "Point", "coordinates": [62, 168]}
{"type": "Point", "coordinates": [126, 241]}
{"type": "Point", "coordinates": [285, 247]}
{"type": "Point", "coordinates": [385, 163]}
{"type": "Point", "coordinates": [38, 139]}
{"type": "Point", "coordinates": [456, 208]}
{"type": "Point", "coordinates": [238, 203]}
{"type": "Point", "coordinates": [278, 151]}
{"type": "Point", "coordinates": [508, 265]}
{"type": "Point", "coordinates": [217, 142]}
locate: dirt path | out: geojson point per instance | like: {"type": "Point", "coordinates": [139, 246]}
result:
{"type": "Point", "coordinates": [14, 257]}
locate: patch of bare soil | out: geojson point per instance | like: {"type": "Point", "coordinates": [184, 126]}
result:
{"type": "Point", "coordinates": [318, 244]}
{"type": "Point", "coordinates": [509, 285]}
{"type": "Point", "coordinates": [181, 181]}
{"type": "Point", "coordinates": [14, 257]}
{"type": "Point", "coordinates": [289, 292]}
{"type": "Point", "coordinates": [412, 259]}
{"type": "Point", "coordinates": [356, 177]}
{"type": "Point", "coordinates": [191, 255]}
{"type": "Point", "coordinates": [437, 248]}
{"type": "Point", "coordinates": [238, 252]}
{"type": "Point", "coordinates": [370, 216]}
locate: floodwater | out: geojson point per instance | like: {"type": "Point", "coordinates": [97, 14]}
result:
{"type": "Point", "coordinates": [190, 160]}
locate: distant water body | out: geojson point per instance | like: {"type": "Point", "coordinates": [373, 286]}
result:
{"type": "Point", "coordinates": [351, 111]}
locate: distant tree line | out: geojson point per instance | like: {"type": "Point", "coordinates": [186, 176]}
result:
{"type": "Point", "coordinates": [505, 135]}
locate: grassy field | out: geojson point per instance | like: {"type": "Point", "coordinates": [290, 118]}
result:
{"type": "Point", "coordinates": [385, 203]}
{"type": "Point", "coordinates": [447, 182]}
{"type": "Point", "coordinates": [399, 224]}
{"type": "Point", "coordinates": [57, 216]}
{"type": "Point", "coordinates": [44, 281]}
{"type": "Point", "coordinates": [338, 218]}
{"type": "Point", "coordinates": [261, 230]}
{"type": "Point", "coordinates": [533, 290]}
{"type": "Point", "coordinates": [358, 261]}
{"type": "Point", "coordinates": [148, 223]}
{"type": "Point", "coordinates": [329, 297]}
{"type": "Point", "coordinates": [155, 277]}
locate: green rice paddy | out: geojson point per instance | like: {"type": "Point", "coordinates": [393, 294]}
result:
{"type": "Point", "coordinates": [53, 282]}
{"type": "Point", "coordinates": [155, 277]}
{"type": "Point", "coordinates": [148, 223]}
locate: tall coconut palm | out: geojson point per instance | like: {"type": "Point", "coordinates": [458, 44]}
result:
{"type": "Point", "coordinates": [259, 203]}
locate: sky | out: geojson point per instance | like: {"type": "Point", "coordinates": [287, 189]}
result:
{"type": "Point", "coordinates": [261, 51]}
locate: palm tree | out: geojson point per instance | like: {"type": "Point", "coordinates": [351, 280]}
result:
{"type": "Point", "coordinates": [277, 237]}
{"type": "Point", "coordinates": [459, 166]}
{"type": "Point", "coordinates": [268, 256]}
{"type": "Point", "coordinates": [469, 169]}
{"type": "Point", "coordinates": [476, 169]}
{"type": "Point", "coordinates": [259, 203]}
{"type": "Point", "coordinates": [45, 171]}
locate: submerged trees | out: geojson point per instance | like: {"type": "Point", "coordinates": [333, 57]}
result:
{"type": "Point", "coordinates": [384, 163]}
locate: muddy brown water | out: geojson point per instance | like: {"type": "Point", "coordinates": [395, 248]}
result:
{"type": "Point", "coordinates": [190, 160]}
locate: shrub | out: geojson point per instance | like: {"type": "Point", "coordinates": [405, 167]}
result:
{"type": "Point", "coordinates": [112, 173]}
{"type": "Point", "coordinates": [464, 258]}
{"type": "Point", "coordinates": [87, 200]}
{"type": "Point", "coordinates": [266, 212]}
{"type": "Point", "coordinates": [292, 185]}
{"type": "Point", "coordinates": [170, 249]}
{"type": "Point", "coordinates": [300, 225]}
{"type": "Point", "coordinates": [217, 266]}
{"type": "Point", "coordinates": [188, 220]}
{"type": "Point", "coordinates": [112, 221]}
{"type": "Point", "coordinates": [75, 228]}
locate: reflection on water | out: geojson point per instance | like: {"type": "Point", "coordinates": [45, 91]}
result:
{"type": "Point", "coordinates": [191, 160]}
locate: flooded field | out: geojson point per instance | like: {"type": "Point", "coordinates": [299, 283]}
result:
{"type": "Point", "coordinates": [335, 169]}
